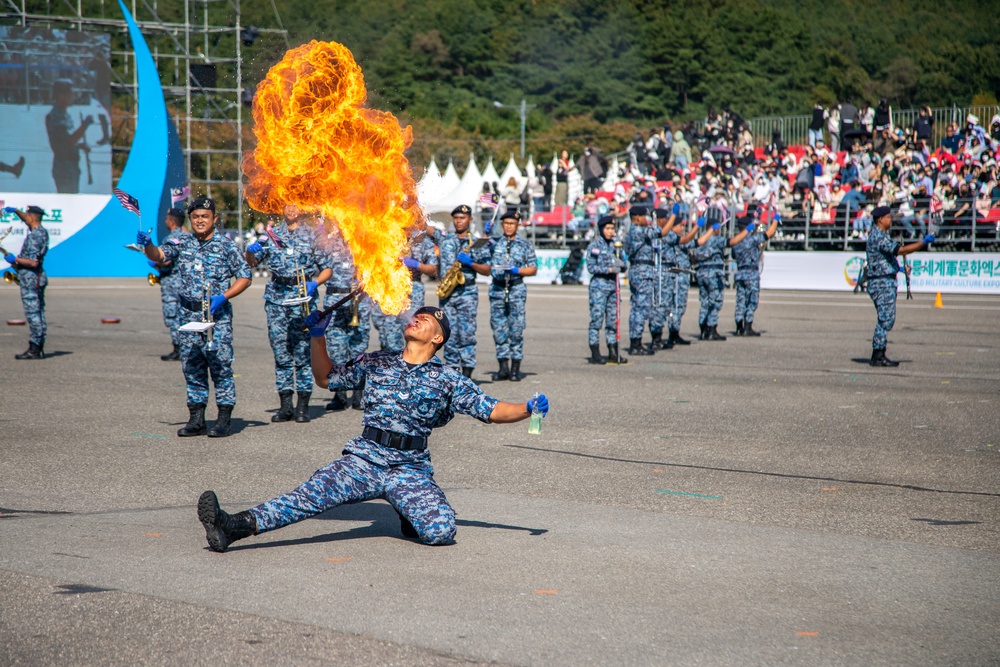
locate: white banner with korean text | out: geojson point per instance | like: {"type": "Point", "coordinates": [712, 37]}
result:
{"type": "Point", "coordinates": [946, 272]}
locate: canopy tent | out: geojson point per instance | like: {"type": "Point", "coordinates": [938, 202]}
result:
{"type": "Point", "coordinates": [429, 187]}
{"type": "Point", "coordinates": [509, 171]}
{"type": "Point", "coordinates": [490, 174]}
{"type": "Point", "coordinates": [466, 190]}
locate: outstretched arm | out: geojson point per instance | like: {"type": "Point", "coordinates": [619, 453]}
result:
{"type": "Point", "coordinates": [508, 413]}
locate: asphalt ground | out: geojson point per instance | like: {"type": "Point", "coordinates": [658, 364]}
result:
{"type": "Point", "coordinates": [771, 501]}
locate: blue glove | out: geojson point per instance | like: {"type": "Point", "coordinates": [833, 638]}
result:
{"type": "Point", "coordinates": [142, 239]}
{"type": "Point", "coordinates": [777, 217]}
{"type": "Point", "coordinates": [488, 228]}
{"type": "Point", "coordinates": [10, 258]}
{"type": "Point", "coordinates": [411, 263]}
{"type": "Point", "coordinates": [716, 227]}
{"type": "Point", "coordinates": [9, 209]}
{"type": "Point", "coordinates": [701, 221]}
{"type": "Point", "coordinates": [676, 210]}
{"type": "Point", "coordinates": [513, 270]}
{"type": "Point", "coordinates": [316, 325]}
{"type": "Point", "coordinates": [751, 227]}
{"type": "Point", "coordinates": [929, 239]}
{"type": "Point", "coordinates": [540, 403]}
{"type": "Point", "coordinates": [255, 247]}
{"type": "Point", "coordinates": [152, 263]}
{"type": "Point", "coordinates": [216, 302]}
{"type": "Point", "coordinates": [464, 258]}
{"type": "Point", "coordinates": [311, 287]}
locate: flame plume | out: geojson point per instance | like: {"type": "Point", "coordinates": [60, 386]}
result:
{"type": "Point", "coordinates": [318, 148]}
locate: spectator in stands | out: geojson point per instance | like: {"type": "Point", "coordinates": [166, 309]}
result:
{"type": "Point", "coordinates": [511, 194]}
{"type": "Point", "coordinates": [638, 160]}
{"type": "Point", "coordinates": [833, 127]}
{"type": "Point", "coordinates": [537, 191]}
{"type": "Point", "coordinates": [544, 174]}
{"type": "Point", "coordinates": [848, 118]}
{"type": "Point", "coordinates": [883, 127]}
{"type": "Point", "coordinates": [961, 217]}
{"type": "Point", "coordinates": [923, 126]}
{"type": "Point", "coordinates": [866, 117]}
{"type": "Point", "coordinates": [995, 128]}
{"type": "Point", "coordinates": [850, 172]}
{"type": "Point", "coordinates": [680, 152]}
{"type": "Point", "coordinates": [593, 166]}
{"type": "Point", "coordinates": [563, 168]}
{"type": "Point", "coordinates": [952, 141]}
{"type": "Point", "coordinates": [919, 207]}
{"type": "Point", "coordinates": [819, 115]}
{"type": "Point", "coordinates": [655, 150]}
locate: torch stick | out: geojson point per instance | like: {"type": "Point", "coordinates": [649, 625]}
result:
{"type": "Point", "coordinates": [326, 311]}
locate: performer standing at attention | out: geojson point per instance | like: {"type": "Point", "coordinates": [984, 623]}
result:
{"type": "Point", "coordinates": [406, 396]}
{"type": "Point", "coordinates": [513, 261]}
{"type": "Point", "coordinates": [32, 278]}
{"type": "Point", "coordinates": [170, 283]}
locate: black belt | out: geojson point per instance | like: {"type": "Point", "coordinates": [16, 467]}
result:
{"type": "Point", "coordinates": [888, 275]}
{"type": "Point", "coordinates": [608, 276]}
{"type": "Point", "coordinates": [287, 282]}
{"type": "Point", "coordinates": [648, 262]}
{"type": "Point", "coordinates": [190, 304]}
{"type": "Point", "coordinates": [504, 283]}
{"type": "Point", "coordinates": [395, 440]}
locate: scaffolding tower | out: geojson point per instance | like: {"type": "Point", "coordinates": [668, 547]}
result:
{"type": "Point", "coordinates": [198, 47]}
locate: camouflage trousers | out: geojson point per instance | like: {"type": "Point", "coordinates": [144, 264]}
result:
{"type": "Point", "coordinates": [198, 363]}
{"type": "Point", "coordinates": [462, 309]}
{"type": "Point", "coordinates": [33, 301]}
{"type": "Point", "coordinates": [507, 319]}
{"type": "Point", "coordinates": [883, 294]}
{"type": "Point", "coordinates": [682, 285]}
{"type": "Point", "coordinates": [169, 299]}
{"type": "Point", "coordinates": [641, 289]}
{"type": "Point", "coordinates": [711, 288]}
{"type": "Point", "coordinates": [663, 301]}
{"type": "Point", "coordinates": [747, 297]}
{"type": "Point", "coordinates": [601, 296]}
{"type": "Point", "coordinates": [409, 488]}
{"type": "Point", "coordinates": [344, 342]}
{"type": "Point", "coordinates": [290, 344]}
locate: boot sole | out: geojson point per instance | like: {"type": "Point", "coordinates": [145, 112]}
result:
{"type": "Point", "coordinates": [220, 434]}
{"type": "Point", "coordinates": [202, 431]}
{"type": "Point", "coordinates": [208, 514]}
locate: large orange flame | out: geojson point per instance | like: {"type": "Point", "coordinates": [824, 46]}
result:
{"type": "Point", "coordinates": [318, 148]}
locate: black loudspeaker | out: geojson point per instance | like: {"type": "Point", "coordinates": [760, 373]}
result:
{"type": "Point", "coordinates": [202, 75]}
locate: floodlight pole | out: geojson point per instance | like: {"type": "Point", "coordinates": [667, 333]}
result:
{"type": "Point", "coordinates": [522, 108]}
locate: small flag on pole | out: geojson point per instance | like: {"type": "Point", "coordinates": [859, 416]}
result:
{"type": "Point", "coordinates": [129, 202]}
{"type": "Point", "coordinates": [179, 194]}
{"type": "Point", "coordinates": [489, 199]}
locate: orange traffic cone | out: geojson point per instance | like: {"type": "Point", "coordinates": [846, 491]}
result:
{"type": "Point", "coordinates": [937, 301]}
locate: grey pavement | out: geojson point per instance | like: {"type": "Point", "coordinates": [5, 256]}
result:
{"type": "Point", "coordinates": [769, 501]}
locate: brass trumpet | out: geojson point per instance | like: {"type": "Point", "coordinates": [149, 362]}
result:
{"type": "Point", "coordinates": [153, 279]}
{"type": "Point", "coordinates": [355, 303]}
{"type": "Point", "coordinates": [10, 278]}
{"type": "Point", "coordinates": [300, 278]}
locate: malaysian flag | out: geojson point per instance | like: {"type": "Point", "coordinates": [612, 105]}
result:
{"type": "Point", "coordinates": [179, 194]}
{"type": "Point", "coordinates": [129, 202]}
{"type": "Point", "coordinates": [489, 199]}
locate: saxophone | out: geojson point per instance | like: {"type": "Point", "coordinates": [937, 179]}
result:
{"type": "Point", "coordinates": [454, 276]}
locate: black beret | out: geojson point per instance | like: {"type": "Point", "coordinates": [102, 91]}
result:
{"type": "Point", "coordinates": [638, 210]}
{"type": "Point", "coordinates": [511, 214]}
{"type": "Point", "coordinates": [175, 213]}
{"type": "Point", "coordinates": [37, 210]}
{"type": "Point", "coordinates": [661, 213]}
{"type": "Point", "coordinates": [604, 221]}
{"type": "Point", "coordinates": [440, 316]}
{"type": "Point", "coordinates": [881, 211]}
{"type": "Point", "coordinates": [461, 209]}
{"type": "Point", "coordinates": [202, 203]}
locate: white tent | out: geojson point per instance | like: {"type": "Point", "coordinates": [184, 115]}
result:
{"type": "Point", "coordinates": [449, 180]}
{"type": "Point", "coordinates": [466, 191]}
{"type": "Point", "coordinates": [511, 170]}
{"type": "Point", "coordinates": [529, 169]}
{"type": "Point", "coordinates": [429, 187]}
{"type": "Point", "coordinates": [490, 174]}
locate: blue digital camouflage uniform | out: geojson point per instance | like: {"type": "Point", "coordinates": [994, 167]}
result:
{"type": "Point", "coordinates": [400, 398]}
{"type": "Point", "coordinates": [664, 283]}
{"type": "Point", "coordinates": [641, 251]}
{"type": "Point", "coordinates": [33, 283]}
{"type": "Point", "coordinates": [603, 289]}
{"type": "Point", "coordinates": [746, 253]}
{"type": "Point", "coordinates": [170, 290]}
{"type": "Point", "coordinates": [290, 344]}
{"type": "Point", "coordinates": [214, 263]}
{"type": "Point", "coordinates": [462, 305]}
{"type": "Point", "coordinates": [344, 342]}
{"type": "Point", "coordinates": [711, 279]}
{"type": "Point", "coordinates": [882, 285]}
{"type": "Point", "coordinates": [681, 283]}
{"type": "Point", "coordinates": [509, 295]}
{"type": "Point", "coordinates": [390, 328]}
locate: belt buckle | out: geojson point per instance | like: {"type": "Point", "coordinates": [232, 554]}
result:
{"type": "Point", "coordinates": [396, 441]}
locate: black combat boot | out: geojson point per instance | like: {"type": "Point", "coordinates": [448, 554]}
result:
{"type": "Point", "coordinates": [196, 422]}
{"type": "Point", "coordinates": [675, 338]}
{"type": "Point", "coordinates": [221, 528]}
{"type": "Point", "coordinates": [302, 407]}
{"type": "Point", "coordinates": [174, 355]}
{"type": "Point", "coordinates": [222, 426]}
{"type": "Point", "coordinates": [356, 402]}
{"type": "Point", "coordinates": [613, 356]}
{"type": "Point", "coordinates": [33, 352]}
{"type": "Point", "coordinates": [467, 371]}
{"type": "Point", "coordinates": [339, 401]}
{"type": "Point", "coordinates": [515, 370]}
{"type": "Point", "coordinates": [657, 343]}
{"type": "Point", "coordinates": [595, 355]}
{"type": "Point", "coordinates": [636, 349]}
{"type": "Point", "coordinates": [704, 331]}
{"type": "Point", "coordinates": [284, 412]}
{"type": "Point", "coordinates": [748, 330]}
{"type": "Point", "coordinates": [879, 359]}
{"type": "Point", "coordinates": [504, 373]}
{"type": "Point", "coordinates": [739, 327]}
{"type": "Point", "coordinates": [713, 333]}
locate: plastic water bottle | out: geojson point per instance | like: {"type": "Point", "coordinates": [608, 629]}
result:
{"type": "Point", "coordinates": [535, 423]}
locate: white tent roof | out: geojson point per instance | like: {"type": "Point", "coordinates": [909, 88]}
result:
{"type": "Point", "coordinates": [529, 169]}
{"type": "Point", "coordinates": [466, 191]}
{"type": "Point", "coordinates": [450, 179]}
{"type": "Point", "coordinates": [511, 170]}
{"type": "Point", "coordinates": [490, 174]}
{"type": "Point", "coordinates": [429, 187]}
